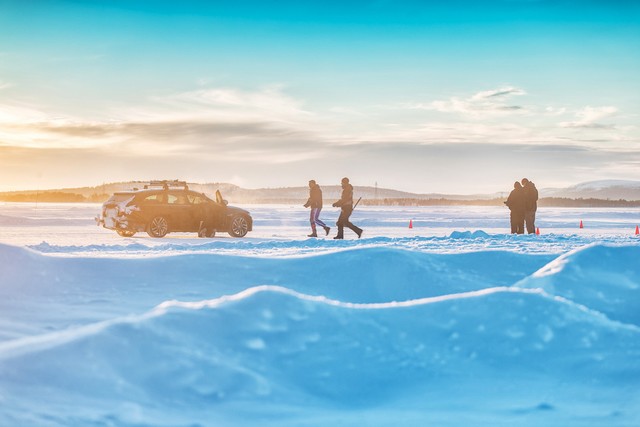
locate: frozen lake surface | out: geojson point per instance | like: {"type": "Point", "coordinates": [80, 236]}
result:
{"type": "Point", "coordinates": [281, 230]}
{"type": "Point", "coordinates": [453, 322]}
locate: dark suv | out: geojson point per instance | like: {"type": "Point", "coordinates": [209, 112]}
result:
{"type": "Point", "coordinates": [169, 206]}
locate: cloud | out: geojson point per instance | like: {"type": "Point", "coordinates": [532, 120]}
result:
{"type": "Point", "coordinates": [265, 104]}
{"type": "Point", "coordinates": [269, 142]}
{"type": "Point", "coordinates": [590, 117]}
{"type": "Point", "coordinates": [499, 93]}
{"type": "Point", "coordinates": [4, 85]}
{"type": "Point", "coordinates": [190, 122]}
{"type": "Point", "coordinates": [481, 104]}
{"type": "Point", "coordinates": [436, 167]}
{"type": "Point", "coordinates": [268, 128]}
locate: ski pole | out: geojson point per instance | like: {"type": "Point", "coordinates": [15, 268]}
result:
{"type": "Point", "coordinates": [354, 206]}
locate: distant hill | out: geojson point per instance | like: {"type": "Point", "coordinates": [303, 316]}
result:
{"type": "Point", "coordinates": [607, 190]}
{"type": "Point", "coordinates": [596, 193]}
{"type": "Point", "coordinates": [231, 192]}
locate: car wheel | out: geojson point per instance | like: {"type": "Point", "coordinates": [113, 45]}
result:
{"type": "Point", "coordinates": [239, 226]}
{"type": "Point", "coordinates": [158, 227]}
{"type": "Point", "coordinates": [125, 233]}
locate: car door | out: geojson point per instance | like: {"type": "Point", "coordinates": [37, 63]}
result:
{"type": "Point", "coordinates": [181, 217]}
{"type": "Point", "coordinates": [153, 205]}
{"type": "Point", "coordinates": [210, 213]}
{"type": "Point", "coordinates": [198, 212]}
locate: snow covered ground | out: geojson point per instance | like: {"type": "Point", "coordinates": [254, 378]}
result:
{"type": "Point", "coordinates": [450, 323]}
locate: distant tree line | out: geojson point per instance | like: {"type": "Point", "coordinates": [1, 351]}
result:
{"type": "Point", "coordinates": [53, 197]}
{"type": "Point", "coordinates": [559, 202]}
{"type": "Point", "coordinates": [430, 202]}
{"type": "Point", "coordinates": [587, 203]}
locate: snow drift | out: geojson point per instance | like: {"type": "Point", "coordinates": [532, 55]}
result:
{"type": "Point", "coordinates": [270, 345]}
{"type": "Point", "coordinates": [375, 334]}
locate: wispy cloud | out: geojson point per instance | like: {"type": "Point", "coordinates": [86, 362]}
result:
{"type": "Point", "coordinates": [590, 118]}
{"type": "Point", "coordinates": [269, 103]}
{"type": "Point", "coordinates": [480, 104]}
{"type": "Point", "coordinates": [220, 120]}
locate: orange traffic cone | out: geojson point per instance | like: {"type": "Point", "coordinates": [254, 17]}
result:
{"type": "Point", "coordinates": [538, 231]}
{"type": "Point", "coordinates": [581, 226]}
{"type": "Point", "coordinates": [637, 230]}
{"type": "Point", "coordinates": [410, 223]}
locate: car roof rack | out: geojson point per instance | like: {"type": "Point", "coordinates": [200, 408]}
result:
{"type": "Point", "coordinates": [166, 184]}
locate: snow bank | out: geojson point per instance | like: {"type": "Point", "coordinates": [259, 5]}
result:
{"type": "Point", "coordinates": [371, 333]}
{"type": "Point", "coordinates": [102, 288]}
{"type": "Point", "coordinates": [272, 346]}
{"type": "Point", "coordinates": [603, 278]}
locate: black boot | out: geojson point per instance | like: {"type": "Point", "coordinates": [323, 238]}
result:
{"type": "Point", "coordinates": [312, 234]}
{"type": "Point", "coordinates": [327, 229]}
{"type": "Point", "coordinates": [338, 237]}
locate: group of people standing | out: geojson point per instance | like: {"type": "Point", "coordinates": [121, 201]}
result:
{"type": "Point", "coordinates": [523, 203]}
{"type": "Point", "coordinates": [345, 204]}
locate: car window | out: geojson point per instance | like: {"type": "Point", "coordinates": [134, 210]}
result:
{"type": "Point", "coordinates": [178, 199]}
{"type": "Point", "coordinates": [155, 198]}
{"type": "Point", "coordinates": [195, 199]}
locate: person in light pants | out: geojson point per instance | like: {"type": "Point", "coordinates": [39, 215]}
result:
{"type": "Point", "coordinates": [315, 203]}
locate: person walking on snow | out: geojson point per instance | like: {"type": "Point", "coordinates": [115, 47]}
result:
{"type": "Point", "coordinates": [516, 204]}
{"type": "Point", "coordinates": [530, 204]}
{"type": "Point", "coordinates": [315, 203]}
{"type": "Point", "coordinates": [346, 205]}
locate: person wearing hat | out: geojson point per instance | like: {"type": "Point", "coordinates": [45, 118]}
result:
{"type": "Point", "coordinates": [315, 203]}
{"type": "Point", "coordinates": [346, 205]}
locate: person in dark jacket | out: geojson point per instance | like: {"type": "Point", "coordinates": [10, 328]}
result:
{"type": "Point", "coordinates": [207, 215]}
{"type": "Point", "coordinates": [346, 205]}
{"type": "Point", "coordinates": [530, 204]}
{"type": "Point", "coordinates": [315, 203]}
{"type": "Point", "coordinates": [516, 204]}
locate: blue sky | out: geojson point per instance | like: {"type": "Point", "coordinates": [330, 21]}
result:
{"type": "Point", "coordinates": [457, 96]}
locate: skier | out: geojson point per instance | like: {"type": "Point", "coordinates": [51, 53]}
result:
{"type": "Point", "coordinates": [530, 204]}
{"type": "Point", "coordinates": [315, 203]}
{"type": "Point", "coordinates": [346, 205]}
{"type": "Point", "coordinates": [516, 204]}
